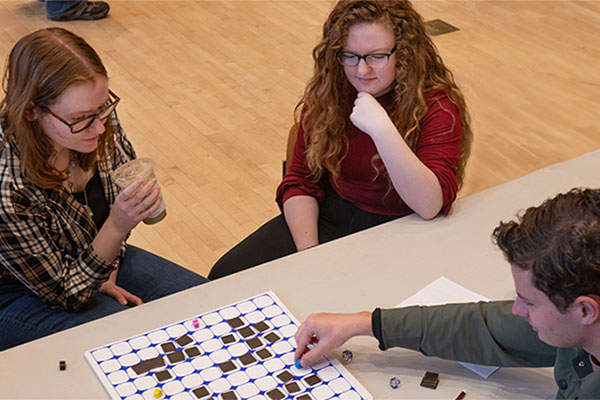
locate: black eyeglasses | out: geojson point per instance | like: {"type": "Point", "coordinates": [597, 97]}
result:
{"type": "Point", "coordinates": [82, 124]}
{"type": "Point", "coordinates": [373, 60]}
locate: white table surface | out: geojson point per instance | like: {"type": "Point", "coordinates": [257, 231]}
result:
{"type": "Point", "coordinates": [378, 267]}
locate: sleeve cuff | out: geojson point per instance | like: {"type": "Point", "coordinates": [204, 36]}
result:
{"type": "Point", "coordinates": [96, 268]}
{"type": "Point", "coordinates": [376, 327]}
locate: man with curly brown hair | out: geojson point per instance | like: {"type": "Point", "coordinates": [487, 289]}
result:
{"type": "Point", "coordinates": [554, 252]}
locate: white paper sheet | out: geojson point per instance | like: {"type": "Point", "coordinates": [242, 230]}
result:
{"type": "Point", "coordinates": [442, 291]}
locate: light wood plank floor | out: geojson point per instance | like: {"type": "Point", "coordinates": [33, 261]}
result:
{"type": "Point", "coordinates": [208, 90]}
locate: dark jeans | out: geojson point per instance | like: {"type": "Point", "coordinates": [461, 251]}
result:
{"type": "Point", "coordinates": [337, 218]}
{"type": "Point", "coordinates": [56, 8]}
{"type": "Point", "coordinates": [25, 317]}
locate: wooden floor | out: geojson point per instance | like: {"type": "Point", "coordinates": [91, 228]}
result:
{"type": "Point", "coordinates": [208, 89]}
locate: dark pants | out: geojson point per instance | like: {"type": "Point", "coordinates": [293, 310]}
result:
{"type": "Point", "coordinates": [56, 8]}
{"type": "Point", "coordinates": [25, 317]}
{"type": "Point", "coordinates": [337, 218]}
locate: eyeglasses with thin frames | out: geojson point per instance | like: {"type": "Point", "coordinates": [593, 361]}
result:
{"type": "Point", "coordinates": [82, 124]}
{"type": "Point", "coordinates": [373, 60]}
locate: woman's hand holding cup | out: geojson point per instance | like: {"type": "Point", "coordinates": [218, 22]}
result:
{"type": "Point", "coordinates": [135, 203]}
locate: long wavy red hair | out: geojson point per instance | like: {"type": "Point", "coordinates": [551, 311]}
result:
{"type": "Point", "coordinates": [40, 67]}
{"type": "Point", "coordinates": [324, 107]}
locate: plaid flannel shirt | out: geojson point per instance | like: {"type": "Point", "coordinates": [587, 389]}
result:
{"type": "Point", "coordinates": [46, 234]}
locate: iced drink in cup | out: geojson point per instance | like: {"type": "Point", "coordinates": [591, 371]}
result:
{"type": "Point", "coordinates": [140, 168]}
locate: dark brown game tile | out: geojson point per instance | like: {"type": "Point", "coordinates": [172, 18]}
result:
{"type": "Point", "coordinates": [254, 343]}
{"type": "Point", "coordinates": [168, 347]}
{"type": "Point", "coordinates": [261, 326]}
{"type": "Point", "coordinates": [285, 376]}
{"type": "Point", "coordinates": [192, 352]}
{"type": "Point", "coordinates": [231, 395]}
{"type": "Point", "coordinates": [246, 332]}
{"type": "Point", "coordinates": [312, 380]}
{"type": "Point", "coordinates": [272, 337]}
{"type": "Point", "coordinates": [264, 354]}
{"type": "Point", "coordinates": [235, 322]}
{"type": "Point", "coordinates": [227, 366]}
{"type": "Point", "coordinates": [184, 340]}
{"type": "Point", "coordinates": [292, 387]}
{"type": "Point", "coordinates": [163, 375]}
{"type": "Point", "coordinates": [430, 380]}
{"type": "Point", "coordinates": [201, 392]}
{"type": "Point", "coordinates": [228, 339]}
{"type": "Point", "coordinates": [247, 359]}
{"type": "Point", "coordinates": [304, 396]}
{"type": "Point", "coordinates": [147, 365]}
{"type": "Point", "coordinates": [176, 357]}
{"type": "Point", "coordinates": [276, 394]}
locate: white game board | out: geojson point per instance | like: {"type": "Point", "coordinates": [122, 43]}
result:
{"type": "Point", "coordinates": [241, 351]}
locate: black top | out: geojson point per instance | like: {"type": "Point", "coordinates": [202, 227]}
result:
{"type": "Point", "coordinates": [96, 200]}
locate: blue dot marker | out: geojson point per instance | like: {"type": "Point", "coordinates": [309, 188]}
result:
{"type": "Point", "coordinates": [298, 365]}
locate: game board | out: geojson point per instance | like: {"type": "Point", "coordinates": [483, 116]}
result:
{"type": "Point", "coordinates": [241, 351]}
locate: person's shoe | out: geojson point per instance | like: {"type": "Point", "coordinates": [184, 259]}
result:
{"type": "Point", "coordinates": [90, 11]}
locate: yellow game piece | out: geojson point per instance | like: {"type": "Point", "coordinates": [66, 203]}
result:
{"type": "Point", "coordinates": [158, 393]}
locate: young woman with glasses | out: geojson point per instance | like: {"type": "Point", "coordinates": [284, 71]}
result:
{"type": "Point", "coordinates": [383, 132]}
{"type": "Point", "coordinates": [63, 225]}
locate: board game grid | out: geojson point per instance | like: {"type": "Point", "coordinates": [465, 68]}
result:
{"type": "Point", "coordinates": [241, 351]}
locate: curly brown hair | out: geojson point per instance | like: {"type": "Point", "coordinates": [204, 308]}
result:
{"type": "Point", "coordinates": [40, 67]}
{"type": "Point", "coordinates": [324, 107]}
{"type": "Point", "coordinates": [559, 242]}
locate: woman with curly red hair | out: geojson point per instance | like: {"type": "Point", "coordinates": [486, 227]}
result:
{"type": "Point", "coordinates": [383, 131]}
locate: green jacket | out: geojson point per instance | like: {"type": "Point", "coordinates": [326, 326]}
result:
{"type": "Point", "coordinates": [488, 334]}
